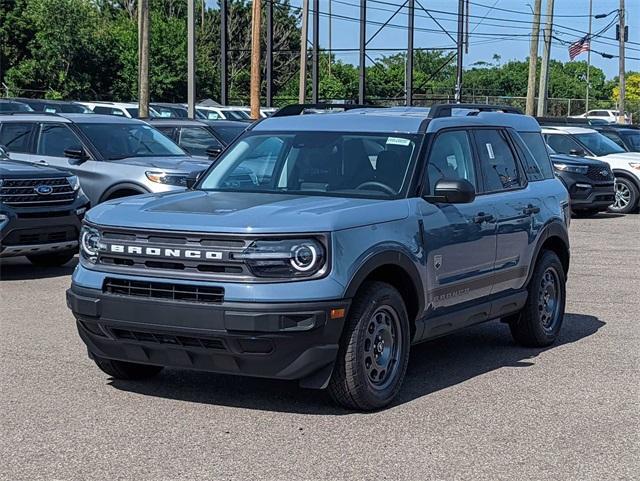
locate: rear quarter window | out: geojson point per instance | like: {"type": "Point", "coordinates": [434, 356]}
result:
{"type": "Point", "coordinates": [533, 151]}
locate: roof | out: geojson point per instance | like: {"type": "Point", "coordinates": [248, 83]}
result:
{"type": "Point", "coordinates": [565, 129]}
{"type": "Point", "coordinates": [408, 120]}
{"type": "Point", "coordinates": [176, 121]}
{"type": "Point", "coordinates": [33, 117]}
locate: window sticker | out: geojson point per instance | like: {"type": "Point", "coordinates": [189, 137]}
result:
{"type": "Point", "coordinates": [398, 141]}
{"type": "Point", "coordinates": [490, 151]}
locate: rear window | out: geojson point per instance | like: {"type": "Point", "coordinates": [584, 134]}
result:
{"type": "Point", "coordinates": [535, 156]}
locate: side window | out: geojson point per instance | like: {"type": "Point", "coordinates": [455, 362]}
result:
{"type": "Point", "coordinates": [108, 111]}
{"type": "Point", "coordinates": [615, 137]}
{"type": "Point", "coordinates": [534, 153]}
{"type": "Point", "coordinates": [54, 139]}
{"type": "Point", "coordinates": [451, 158]}
{"type": "Point", "coordinates": [561, 143]}
{"type": "Point", "coordinates": [169, 132]}
{"type": "Point", "coordinates": [497, 162]}
{"type": "Point", "coordinates": [15, 136]}
{"type": "Point", "coordinates": [197, 140]}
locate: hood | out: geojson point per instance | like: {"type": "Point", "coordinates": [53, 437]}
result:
{"type": "Point", "coordinates": [577, 160]}
{"type": "Point", "coordinates": [14, 169]}
{"type": "Point", "coordinates": [626, 156]}
{"type": "Point", "coordinates": [176, 164]}
{"type": "Point", "coordinates": [243, 212]}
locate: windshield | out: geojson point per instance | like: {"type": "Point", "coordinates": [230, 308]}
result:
{"type": "Point", "coordinates": [316, 163]}
{"type": "Point", "coordinates": [633, 139]}
{"type": "Point", "coordinates": [119, 140]}
{"type": "Point", "coordinates": [236, 114]}
{"type": "Point", "coordinates": [599, 144]}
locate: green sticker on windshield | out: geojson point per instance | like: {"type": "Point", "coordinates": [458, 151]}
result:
{"type": "Point", "coordinates": [398, 141]}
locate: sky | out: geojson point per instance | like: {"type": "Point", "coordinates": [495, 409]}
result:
{"type": "Point", "coordinates": [493, 31]}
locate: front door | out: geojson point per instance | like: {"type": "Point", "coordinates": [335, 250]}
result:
{"type": "Point", "coordinates": [459, 239]}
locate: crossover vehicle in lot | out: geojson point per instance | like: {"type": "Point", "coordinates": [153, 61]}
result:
{"type": "Point", "coordinates": [200, 138]}
{"type": "Point", "coordinates": [588, 181]}
{"type": "Point", "coordinates": [120, 109]}
{"type": "Point", "coordinates": [625, 136]}
{"type": "Point", "coordinates": [321, 247]}
{"type": "Point", "coordinates": [222, 113]}
{"type": "Point", "coordinates": [55, 106]}
{"type": "Point", "coordinates": [41, 211]}
{"type": "Point", "coordinates": [13, 106]}
{"type": "Point", "coordinates": [609, 116]}
{"type": "Point", "coordinates": [582, 142]}
{"type": "Point", "coordinates": [113, 156]}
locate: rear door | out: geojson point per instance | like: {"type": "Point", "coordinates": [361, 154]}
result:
{"type": "Point", "coordinates": [460, 239]}
{"type": "Point", "coordinates": [505, 185]}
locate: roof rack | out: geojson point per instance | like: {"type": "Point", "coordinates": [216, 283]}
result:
{"type": "Point", "coordinates": [298, 109]}
{"type": "Point", "coordinates": [32, 112]}
{"type": "Point", "coordinates": [562, 121]}
{"type": "Point", "coordinates": [446, 110]}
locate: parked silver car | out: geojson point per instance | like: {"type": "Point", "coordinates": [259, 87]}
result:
{"type": "Point", "coordinates": [113, 156]}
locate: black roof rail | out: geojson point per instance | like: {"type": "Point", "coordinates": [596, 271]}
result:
{"type": "Point", "coordinates": [31, 112]}
{"type": "Point", "coordinates": [446, 110]}
{"type": "Point", "coordinates": [297, 109]}
{"type": "Point", "coordinates": [562, 121]}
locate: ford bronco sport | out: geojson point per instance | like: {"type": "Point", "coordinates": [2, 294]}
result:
{"type": "Point", "coordinates": [319, 248]}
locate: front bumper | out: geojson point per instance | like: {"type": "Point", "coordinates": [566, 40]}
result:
{"type": "Point", "coordinates": [273, 340]}
{"type": "Point", "coordinates": [585, 193]}
{"type": "Point", "coordinates": [41, 230]}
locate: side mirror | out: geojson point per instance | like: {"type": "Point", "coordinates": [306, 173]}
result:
{"type": "Point", "coordinates": [192, 179]}
{"type": "Point", "coordinates": [578, 152]}
{"type": "Point", "coordinates": [76, 153]}
{"type": "Point", "coordinates": [453, 191]}
{"type": "Point", "coordinates": [214, 152]}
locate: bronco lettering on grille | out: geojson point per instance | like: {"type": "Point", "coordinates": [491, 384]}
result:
{"type": "Point", "coordinates": [165, 252]}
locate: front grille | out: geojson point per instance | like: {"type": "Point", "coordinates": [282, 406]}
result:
{"type": "Point", "coordinates": [225, 267]}
{"type": "Point", "coordinates": [599, 173]}
{"type": "Point", "coordinates": [162, 290]}
{"type": "Point", "coordinates": [43, 235]}
{"type": "Point", "coordinates": [22, 192]}
{"type": "Point", "coordinates": [162, 338]}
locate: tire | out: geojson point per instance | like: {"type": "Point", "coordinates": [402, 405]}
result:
{"type": "Point", "coordinates": [539, 322]}
{"type": "Point", "coordinates": [51, 260]}
{"type": "Point", "coordinates": [626, 196]}
{"type": "Point", "coordinates": [368, 373]}
{"type": "Point", "coordinates": [125, 370]}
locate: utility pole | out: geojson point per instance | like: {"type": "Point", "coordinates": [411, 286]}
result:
{"type": "Point", "coordinates": [586, 100]}
{"type": "Point", "coordinates": [409, 73]}
{"type": "Point", "coordinates": [269, 59]}
{"type": "Point", "coordinates": [302, 92]}
{"type": "Point", "coordinates": [621, 118]}
{"type": "Point", "coordinates": [256, 17]}
{"type": "Point", "coordinates": [546, 54]}
{"type": "Point", "coordinates": [224, 71]}
{"type": "Point", "coordinates": [362, 91]}
{"type": "Point", "coordinates": [533, 58]}
{"type": "Point", "coordinates": [460, 45]}
{"type": "Point", "coordinates": [143, 58]}
{"type": "Point", "coordinates": [191, 59]}
{"type": "Point", "coordinates": [315, 54]}
{"type": "Point", "coordinates": [330, 59]}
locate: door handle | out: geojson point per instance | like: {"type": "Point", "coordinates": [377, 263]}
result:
{"type": "Point", "coordinates": [531, 209]}
{"type": "Point", "coordinates": [43, 162]}
{"type": "Point", "coordinates": [482, 217]}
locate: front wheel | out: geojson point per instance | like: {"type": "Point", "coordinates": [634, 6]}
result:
{"type": "Point", "coordinates": [539, 322]}
{"type": "Point", "coordinates": [626, 198]}
{"type": "Point", "coordinates": [374, 352]}
{"type": "Point", "coordinates": [51, 260]}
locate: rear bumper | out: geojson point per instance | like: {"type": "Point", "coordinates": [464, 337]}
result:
{"type": "Point", "coordinates": [273, 340]}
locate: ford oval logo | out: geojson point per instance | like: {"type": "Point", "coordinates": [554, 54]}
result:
{"type": "Point", "coordinates": [43, 189]}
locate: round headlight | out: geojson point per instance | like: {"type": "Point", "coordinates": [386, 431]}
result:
{"type": "Point", "coordinates": [304, 257]}
{"type": "Point", "coordinates": [90, 241]}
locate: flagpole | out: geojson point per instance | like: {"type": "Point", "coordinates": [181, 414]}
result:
{"type": "Point", "coordinates": [586, 106]}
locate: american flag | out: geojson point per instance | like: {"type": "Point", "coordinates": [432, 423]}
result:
{"type": "Point", "coordinates": [579, 46]}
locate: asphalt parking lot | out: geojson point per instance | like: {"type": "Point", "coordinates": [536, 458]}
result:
{"type": "Point", "coordinates": [474, 405]}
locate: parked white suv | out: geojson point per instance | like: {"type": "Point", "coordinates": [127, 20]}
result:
{"type": "Point", "coordinates": [609, 116]}
{"type": "Point", "coordinates": [590, 143]}
{"type": "Point", "coordinates": [121, 109]}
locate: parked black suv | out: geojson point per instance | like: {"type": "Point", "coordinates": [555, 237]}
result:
{"type": "Point", "coordinates": [590, 182]}
{"type": "Point", "coordinates": [41, 212]}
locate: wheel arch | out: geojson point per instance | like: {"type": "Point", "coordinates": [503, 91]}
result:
{"type": "Point", "coordinates": [124, 187]}
{"type": "Point", "coordinates": [397, 269]}
{"type": "Point", "coordinates": [555, 238]}
{"type": "Point", "coordinates": [628, 176]}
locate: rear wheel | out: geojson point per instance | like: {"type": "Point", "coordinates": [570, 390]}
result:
{"type": "Point", "coordinates": [373, 355]}
{"type": "Point", "coordinates": [125, 370]}
{"type": "Point", "coordinates": [52, 259]}
{"type": "Point", "coordinates": [626, 198]}
{"type": "Point", "coordinates": [539, 322]}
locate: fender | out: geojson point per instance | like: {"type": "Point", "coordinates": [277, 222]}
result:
{"type": "Point", "coordinates": [388, 257]}
{"type": "Point", "coordinates": [626, 175]}
{"type": "Point", "coordinates": [122, 186]}
{"type": "Point", "coordinates": [555, 228]}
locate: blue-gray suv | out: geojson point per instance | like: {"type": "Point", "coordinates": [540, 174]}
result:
{"type": "Point", "coordinates": [320, 247]}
